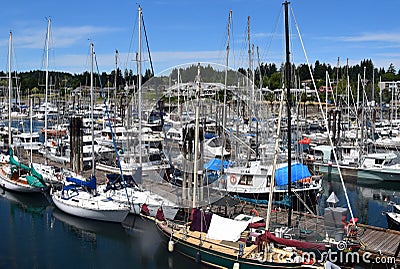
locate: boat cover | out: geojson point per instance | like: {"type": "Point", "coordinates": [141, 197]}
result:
{"type": "Point", "coordinates": [215, 164]}
{"type": "Point", "coordinates": [299, 171]}
{"type": "Point", "coordinates": [35, 182]}
{"type": "Point", "coordinates": [226, 229]}
{"type": "Point", "coordinates": [91, 184]}
{"type": "Point", "coordinates": [292, 243]}
{"type": "Point", "coordinates": [35, 179]}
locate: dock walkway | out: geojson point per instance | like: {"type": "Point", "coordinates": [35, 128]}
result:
{"type": "Point", "coordinates": [379, 242]}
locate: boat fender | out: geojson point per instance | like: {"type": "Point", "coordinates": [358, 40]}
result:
{"type": "Point", "coordinates": [255, 212]}
{"type": "Point", "coordinates": [233, 179]}
{"type": "Point", "coordinates": [198, 256]}
{"type": "Point", "coordinates": [171, 246]}
{"type": "Point", "coordinates": [236, 265]}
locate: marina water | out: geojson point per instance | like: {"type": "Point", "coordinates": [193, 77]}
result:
{"type": "Point", "coordinates": [37, 235]}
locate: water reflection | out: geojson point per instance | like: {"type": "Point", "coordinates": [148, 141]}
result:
{"type": "Point", "coordinates": [368, 199]}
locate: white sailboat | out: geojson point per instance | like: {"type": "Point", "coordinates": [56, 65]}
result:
{"type": "Point", "coordinates": [14, 175]}
{"type": "Point", "coordinates": [79, 197]}
{"type": "Point", "coordinates": [122, 185]}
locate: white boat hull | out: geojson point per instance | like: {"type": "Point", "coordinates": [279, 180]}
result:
{"type": "Point", "coordinates": [13, 185]}
{"type": "Point", "coordinates": [97, 209]}
{"type": "Point", "coordinates": [140, 197]}
{"type": "Point", "coordinates": [376, 174]}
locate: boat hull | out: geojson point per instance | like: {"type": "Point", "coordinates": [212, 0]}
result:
{"type": "Point", "coordinates": [168, 211]}
{"type": "Point", "coordinates": [380, 174]}
{"type": "Point", "coordinates": [140, 197]}
{"type": "Point", "coordinates": [73, 206]}
{"type": "Point", "coordinates": [308, 196]}
{"type": "Point", "coordinates": [15, 186]}
{"type": "Point", "coordinates": [219, 259]}
{"type": "Point", "coordinates": [393, 220]}
{"type": "Point", "coordinates": [361, 173]}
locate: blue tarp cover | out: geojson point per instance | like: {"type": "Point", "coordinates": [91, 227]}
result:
{"type": "Point", "coordinates": [209, 135]}
{"type": "Point", "coordinates": [215, 165]}
{"type": "Point", "coordinates": [91, 184]}
{"type": "Point", "coordinates": [299, 171]}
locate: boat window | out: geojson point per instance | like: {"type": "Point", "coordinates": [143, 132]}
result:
{"type": "Point", "coordinates": [246, 180]}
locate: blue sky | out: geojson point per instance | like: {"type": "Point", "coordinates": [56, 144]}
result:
{"type": "Point", "coordinates": [180, 32]}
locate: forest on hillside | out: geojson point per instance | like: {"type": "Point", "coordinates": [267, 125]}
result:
{"type": "Point", "coordinates": [33, 82]}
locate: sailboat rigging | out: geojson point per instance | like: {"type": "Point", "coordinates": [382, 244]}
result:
{"type": "Point", "coordinates": [79, 197]}
{"type": "Point", "coordinates": [15, 175]}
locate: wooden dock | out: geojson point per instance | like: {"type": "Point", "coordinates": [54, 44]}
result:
{"type": "Point", "coordinates": [378, 242]}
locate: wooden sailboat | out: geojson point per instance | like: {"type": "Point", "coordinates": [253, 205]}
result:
{"type": "Point", "coordinates": [207, 238]}
{"type": "Point", "coordinates": [229, 243]}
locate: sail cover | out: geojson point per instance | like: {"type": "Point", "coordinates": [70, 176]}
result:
{"type": "Point", "coordinates": [215, 164]}
{"type": "Point", "coordinates": [91, 184]}
{"type": "Point", "coordinates": [226, 229]}
{"type": "Point", "coordinates": [292, 243]}
{"type": "Point", "coordinates": [299, 171]}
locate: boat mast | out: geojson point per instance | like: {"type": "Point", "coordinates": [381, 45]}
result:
{"type": "Point", "coordinates": [31, 127]}
{"type": "Point", "coordinates": [226, 83]}
{"type": "Point", "coordinates": [115, 88]}
{"type": "Point", "coordinates": [92, 104]}
{"type": "Point", "coordinates": [196, 137]}
{"type": "Point", "coordinates": [47, 84]}
{"type": "Point", "coordinates": [289, 105]}
{"type": "Point", "coordinates": [139, 58]}
{"type": "Point", "coordinates": [9, 89]}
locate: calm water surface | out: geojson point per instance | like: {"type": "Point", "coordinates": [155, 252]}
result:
{"type": "Point", "coordinates": [34, 234]}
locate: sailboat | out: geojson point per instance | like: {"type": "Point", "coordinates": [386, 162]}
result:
{"type": "Point", "coordinates": [122, 186]}
{"type": "Point", "coordinates": [79, 197]}
{"type": "Point", "coordinates": [14, 175]}
{"type": "Point", "coordinates": [224, 242]}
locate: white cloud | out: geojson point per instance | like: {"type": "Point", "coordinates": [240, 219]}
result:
{"type": "Point", "coordinates": [60, 37]}
{"type": "Point", "coordinates": [372, 37]}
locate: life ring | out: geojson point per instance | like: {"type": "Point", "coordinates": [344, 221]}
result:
{"type": "Point", "coordinates": [233, 179]}
{"type": "Point", "coordinates": [255, 212]}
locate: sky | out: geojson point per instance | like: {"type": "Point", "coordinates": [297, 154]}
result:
{"type": "Point", "coordinates": [181, 32]}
